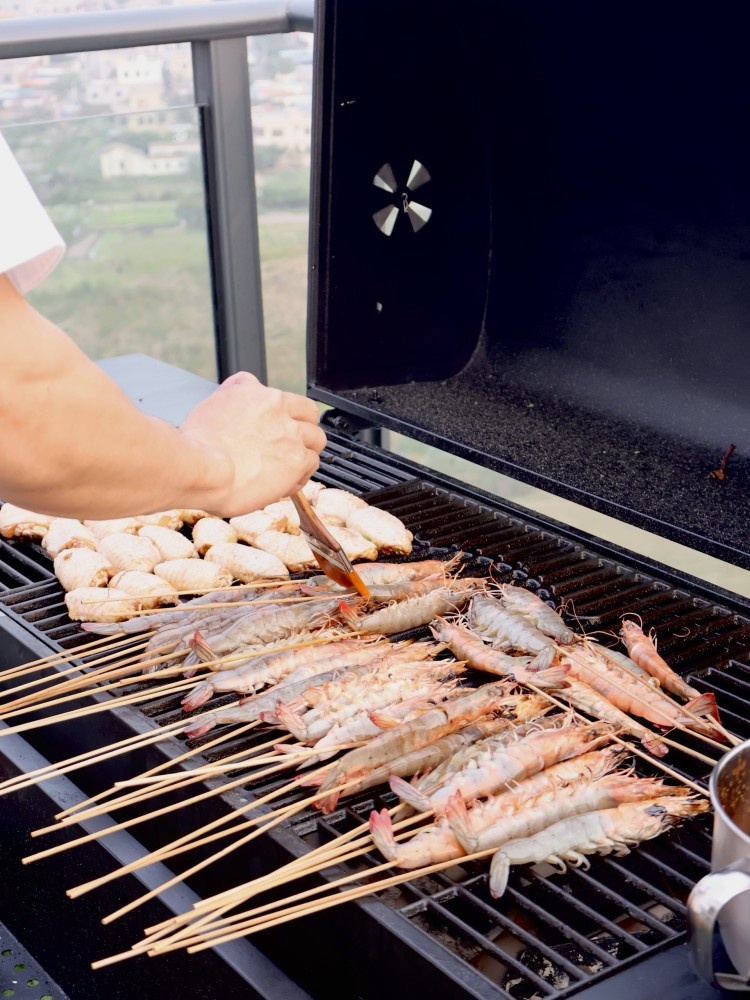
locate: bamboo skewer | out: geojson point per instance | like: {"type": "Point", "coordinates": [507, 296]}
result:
{"type": "Point", "coordinates": [54, 658]}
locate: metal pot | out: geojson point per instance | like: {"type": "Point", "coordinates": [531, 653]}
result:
{"type": "Point", "coordinates": [724, 895]}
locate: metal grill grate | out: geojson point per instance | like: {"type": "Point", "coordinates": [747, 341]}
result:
{"type": "Point", "coordinates": [551, 934]}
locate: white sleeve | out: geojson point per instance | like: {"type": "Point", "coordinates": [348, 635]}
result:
{"type": "Point", "coordinates": [30, 246]}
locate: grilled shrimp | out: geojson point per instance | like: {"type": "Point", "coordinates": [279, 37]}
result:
{"type": "Point", "coordinates": [431, 845]}
{"type": "Point", "coordinates": [552, 805]}
{"type": "Point", "coordinates": [152, 590]}
{"type": "Point", "coordinates": [586, 699]}
{"type": "Point", "coordinates": [76, 568]}
{"type": "Point", "coordinates": [17, 522]}
{"type": "Point", "coordinates": [498, 764]}
{"type": "Point", "coordinates": [529, 604]}
{"type": "Point", "coordinates": [269, 623]}
{"type": "Point", "coordinates": [333, 506]}
{"type": "Point", "coordinates": [384, 574]}
{"type": "Point", "coordinates": [469, 647]}
{"type": "Point", "coordinates": [391, 535]}
{"type": "Point", "coordinates": [505, 628]}
{"type": "Point", "coordinates": [114, 526]}
{"type": "Point", "coordinates": [100, 604]}
{"type": "Point", "coordinates": [211, 531]}
{"type": "Point", "coordinates": [67, 533]}
{"type": "Point", "coordinates": [415, 611]}
{"type": "Point", "coordinates": [605, 831]}
{"type": "Point", "coordinates": [642, 651]}
{"type": "Point", "coordinates": [247, 527]}
{"type": "Point", "coordinates": [126, 551]}
{"type": "Point", "coordinates": [398, 742]}
{"type": "Point", "coordinates": [261, 671]}
{"type": "Point", "coordinates": [628, 693]}
{"type": "Point", "coordinates": [292, 550]}
{"type": "Point", "coordinates": [170, 543]}
{"type": "Point", "coordinates": [247, 564]}
{"type": "Point", "coordinates": [587, 766]}
{"type": "Point", "coordinates": [193, 575]}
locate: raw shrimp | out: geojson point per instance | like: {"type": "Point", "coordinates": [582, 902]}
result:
{"type": "Point", "coordinates": [496, 765]}
{"type": "Point", "coordinates": [415, 611]}
{"type": "Point", "coordinates": [391, 535]}
{"type": "Point", "coordinates": [387, 574]}
{"type": "Point", "coordinates": [586, 699]}
{"type": "Point", "coordinates": [642, 651]}
{"type": "Point", "coordinates": [431, 845]}
{"type": "Point", "coordinates": [628, 693]}
{"type": "Point", "coordinates": [258, 672]}
{"type": "Point", "coordinates": [605, 831]}
{"type": "Point", "coordinates": [413, 735]}
{"type": "Point", "coordinates": [505, 628]}
{"type": "Point", "coordinates": [269, 623]}
{"type": "Point", "coordinates": [529, 604]}
{"type": "Point", "coordinates": [67, 533]}
{"type": "Point", "coordinates": [552, 805]}
{"type": "Point", "coordinates": [479, 655]}
{"type": "Point", "coordinates": [589, 766]}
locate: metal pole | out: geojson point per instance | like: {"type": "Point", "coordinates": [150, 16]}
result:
{"type": "Point", "coordinates": [222, 91]}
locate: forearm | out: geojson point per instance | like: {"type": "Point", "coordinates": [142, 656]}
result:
{"type": "Point", "coordinates": [121, 463]}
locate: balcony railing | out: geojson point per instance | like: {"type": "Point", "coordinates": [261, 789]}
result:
{"type": "Point", "coordinates": [217, 34]}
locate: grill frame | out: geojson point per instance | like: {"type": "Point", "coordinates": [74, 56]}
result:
{"type": "Point", "coordinates": [405, 952]}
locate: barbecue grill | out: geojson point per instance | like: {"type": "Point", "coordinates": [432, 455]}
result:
{"type": "Point", "coordinates": [529, 248]}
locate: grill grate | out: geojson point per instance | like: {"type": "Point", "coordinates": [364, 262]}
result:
{"type": "Point", "coordinates": [551, 934]}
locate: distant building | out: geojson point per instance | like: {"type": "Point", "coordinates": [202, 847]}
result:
{"type": "Point", "coordinates": [162, 159]}
{"type": "Point", "coordinates": [286, 127]}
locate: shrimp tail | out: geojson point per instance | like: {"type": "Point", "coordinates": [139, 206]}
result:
{"type": "Point", "coordinates": [552, 677]}
{"type": "Point", "coordinates": [705, 705]}
{"type": "Point", "coordinates": [654, 745]}
{"type": "Point", "coordinates": [291, 720]}
{"type": "Point", "coordinates": [381, 831]}
{"type": "Point", "coordinates": [499, 872]}
{"type": "Point", "coordinates": [409, 794]}
{"type": "Point", "coordinates": [458, 817]}
{"type": "Point", "coordinates": [201, 648]}
{"type": "Point", "coordinates": [543, 659]}
{"type": "Point", "coordinates": [348, 614]}
{"type": "Point", "coordinates": [198, 696]}
{"type": "Point", "coordinates": [383, 721]}
{"type": "Point", "coordinates": [199, 728]}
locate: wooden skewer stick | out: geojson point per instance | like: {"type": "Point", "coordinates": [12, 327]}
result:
{"type": "Point", "coordinates": [88, 668]}
{"type": "Point", "coordinates": [133, 699]}
{"type": "Point", "coordinates": [164, 783]}
{"type": "Point", "coordinates": [54, 658]}
{"type": "Point", "coordinates": [87, 758]}
{"type": "Point", "coordinates": [188, 754]}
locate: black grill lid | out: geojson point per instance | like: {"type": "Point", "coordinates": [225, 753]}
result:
{"type": "Point", "coordinates": [531, 245]}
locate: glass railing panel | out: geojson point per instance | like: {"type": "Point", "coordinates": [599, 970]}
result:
{"type": "Point", "coordinates": [126, 192]}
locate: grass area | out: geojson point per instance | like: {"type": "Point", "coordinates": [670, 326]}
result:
{"type": "Point", "coordinates": [134, 291]}
{"type": "Point", "coordinates": [137, 213]}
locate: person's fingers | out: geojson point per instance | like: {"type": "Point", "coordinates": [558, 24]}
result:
{"type": "Point", "coordinates": [301, 408]}
{"type": "Point", "coordinates": [313, 437]}
{"type": "Point", "coordinates": [240, 378]}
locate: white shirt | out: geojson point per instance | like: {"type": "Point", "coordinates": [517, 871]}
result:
{"type": "Point", "coordinates": [30, 246]}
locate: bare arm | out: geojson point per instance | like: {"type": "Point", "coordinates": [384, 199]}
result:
{"type": "Point", "coordinates": [72, 444]}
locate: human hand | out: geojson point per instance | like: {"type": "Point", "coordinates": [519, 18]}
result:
{"type": "Point", "coordinates": [262, 444]}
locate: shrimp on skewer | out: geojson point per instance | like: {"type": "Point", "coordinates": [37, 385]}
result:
{"type": "Point", "coordinates": [587, 699]}
{"type": "Point", "coordinates": [415, 611]}
{"type": "Point", "coordinates": [500, 626]}
{"type": "Point", "coordinates": [386, 574]}
{"type": "Point", "coordinates": [551, 806]}
{"type": "Point", "coordinates": [411, 736]}
{"type": "Point", "coordinates": [529, 604]}
{"type": "Point", "coordinates": [606, 831]}
{"type": "Point", "coordinates": [642, 651]}
{"type": "Point", "coordinates": [496, 765]}
{"type": "Point", "coordinates": [431, 845]}
{"type": "Point", "coordinates": [479, 655]}
{"type": "Point", "coordinates": [631, 695]}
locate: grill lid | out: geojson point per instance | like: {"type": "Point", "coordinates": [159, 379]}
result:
{"type": "Point", "coordinates": [534, 218]}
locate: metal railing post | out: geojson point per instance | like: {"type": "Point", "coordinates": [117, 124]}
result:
{"type": "Point", "coordinates": [222, 91]}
